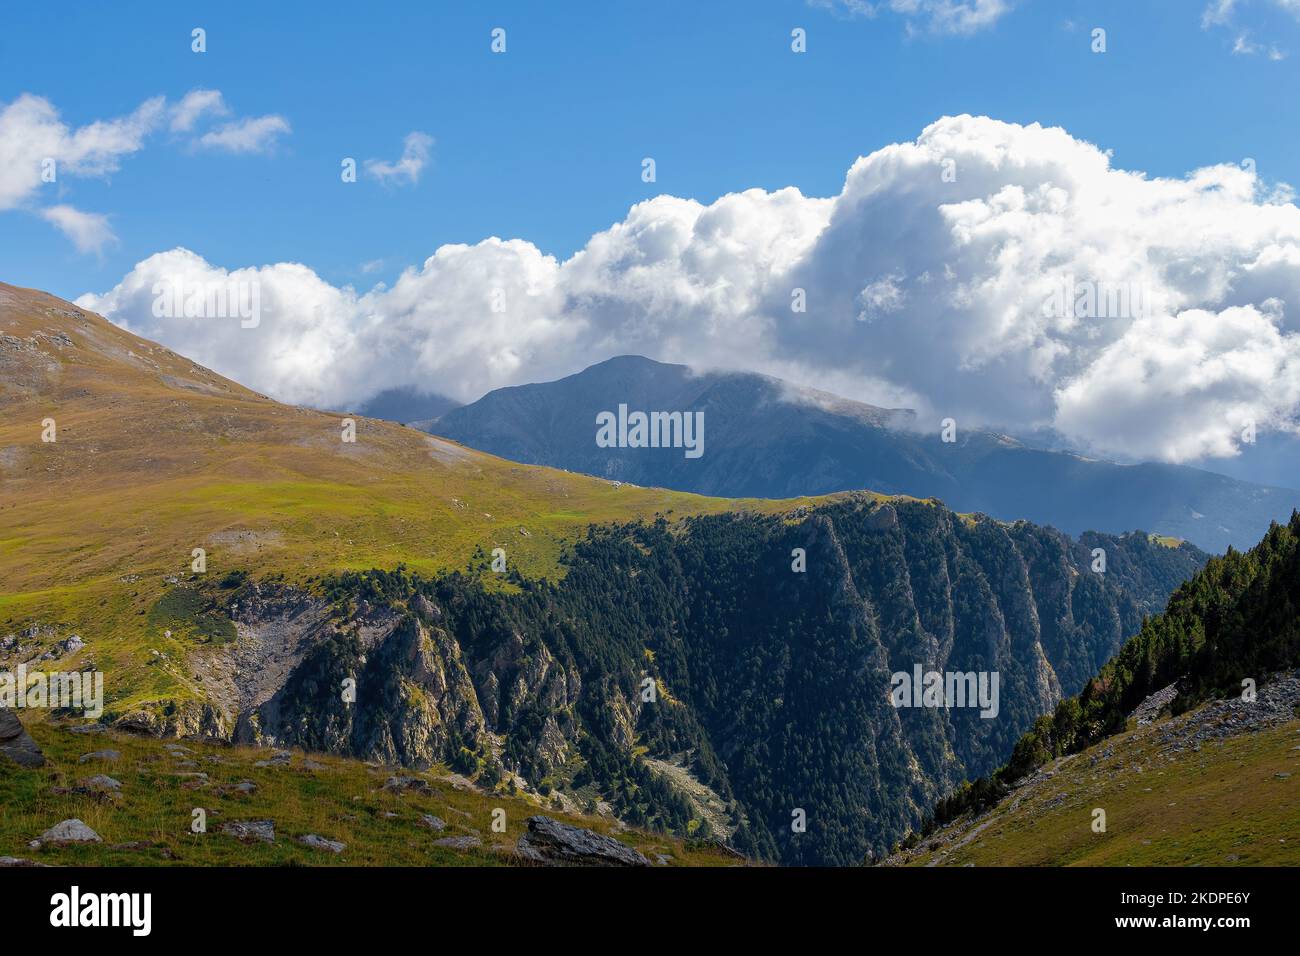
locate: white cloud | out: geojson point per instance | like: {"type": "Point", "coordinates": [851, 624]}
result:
{"type": "Point", "coordinates": [194, 105]}
{"type": "Point", "coordinates": [35, 143]}
{"type": "Point", "coordinates": [940, 16]}
{"type": "Point", "coordinates": [415, 156]}
{"type": "Point", "coordinates": [89, 231]}
{"type": "Point", "coordinates": [1222, 13]}
{"type": "Point", "coordinates": [1194, 327]}
{"type": "Point", "coordinates": [1199, 377]}
{"type": "Point", "coordinates": [32, 132]}
{"type": "Point", "coordinates": [1217, 13]}
{"type": "Point", "coordinates": [251, 135]}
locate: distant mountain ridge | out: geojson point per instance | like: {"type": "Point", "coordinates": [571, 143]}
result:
{"type": "Point", "coordinates": [766, 438]}
{"type": "Point", "coordinates": [407, 405]}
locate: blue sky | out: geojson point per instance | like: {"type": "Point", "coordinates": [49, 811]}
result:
{"type": "Point", "coordinates": [545, 142]}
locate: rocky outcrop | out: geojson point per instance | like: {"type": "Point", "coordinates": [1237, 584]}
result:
{"type": "Point", "coordinates": [553, 843]}
{"type": "Point", "coordinates": [1154, 704]}
{"type": "Point", "coordinates": [250, 831]}
{"type": "Point", "coordinates": [317, 842]}
{"type": "Point", "coordinates": [16, 744]}
{"type": "Point", "coordinates": [69, 831]}
{"type": "Point", "coordinates": [169, 718]}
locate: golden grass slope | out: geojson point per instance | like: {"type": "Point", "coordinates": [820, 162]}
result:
{"type": "Point", "coordinates": [1233, 802]}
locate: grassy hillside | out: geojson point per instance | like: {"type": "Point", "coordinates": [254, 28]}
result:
{"type": "Point", "coordinates": [149, 821]}
{"type": "Point", "coordinates": [1230, 801]}
{"type": "Point", "coordinates": [1225, 629]}
{"type": "Point", "coordinates": [155, 456]}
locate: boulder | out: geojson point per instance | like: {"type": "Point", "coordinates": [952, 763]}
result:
{"type": "Point", "coordinates": [554, 843]}
{"type": "Point", "coordinates": [404, 784]}
{"type": "Point", "coordinates": [70, 831]}
{"type": "Point", "coordinates": [459, 842]}
{"type": "Point", "coordinates": [320, 843]}
{"type": "Point", "coordinates": [16, 744]}
{"type": "Point", "coordinates": [250, 831]}
{"type": "Point", "coordinates": [108, 756]}
{"type": "Point", "coordinates": [281, 758]}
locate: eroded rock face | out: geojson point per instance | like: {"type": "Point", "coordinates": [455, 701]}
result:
{"type": "Point", "coordinates": [167, 718]}
{"type": "Point", "coordinates": [554, 843]}
{"type": "Point", "coordinates": [16, 744]}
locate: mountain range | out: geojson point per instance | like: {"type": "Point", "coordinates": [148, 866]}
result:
{"type": "Point", "coordinates": [708, 668]}
{"type": "Point", "coordinates": [766, 438]}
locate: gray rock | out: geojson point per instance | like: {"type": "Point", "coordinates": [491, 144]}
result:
{"type": "Point", "coordinates": [281, 758]}
{"type": "Point", "coordinates": [320, 843]}
{"type": "Point", "coordinates": [102, 782]}
{"type": "Point", "coordinates": [459, 842]}
{"type": "Point", "coordinates": [70, 831]}
{"type": "Point", "coordinates": [108, 756]}
{"type": "Point", "coordinates": [405, 784]}
{"type": "Point", "coordinates": [559, 844]}
{"type": "Point", "coordinates": [250, 831]}
{"type": "Point", "coordinates": [432, 822]}
{"type": "Point", "coordinates": [16, 744]}
{"type": "Point", "coordinates": [8, 861]}
{"type": "Point", "coordinates": [425, 608]}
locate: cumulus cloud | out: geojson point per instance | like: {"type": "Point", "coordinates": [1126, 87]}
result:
{"type": "Point", "coordinates": [194, 105]}
{"type": "Point", "coordinates": [415, 156]}
{"type": "Point", "coordinates": [89, 231]}
{"type": "Point", "coordinates": [1007, 276]}
{"type": "Point", "coordinates": [940, 16]}
{"type": "Point", "coordinates": [251, 135]}
{"type": "Point", "coordinates": [31, 132]}
{"type": "Point", "coordinates": [1198, 374]}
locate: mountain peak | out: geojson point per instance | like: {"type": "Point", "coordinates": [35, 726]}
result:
{"type": "Point", "coordinates": [767, 438]}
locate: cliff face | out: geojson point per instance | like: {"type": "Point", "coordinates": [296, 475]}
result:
{"type": "Point", "coordinates": [758, 651]}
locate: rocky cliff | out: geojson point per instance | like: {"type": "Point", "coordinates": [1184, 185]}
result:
{"type": "Point", "coordinates": [756, 652]}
